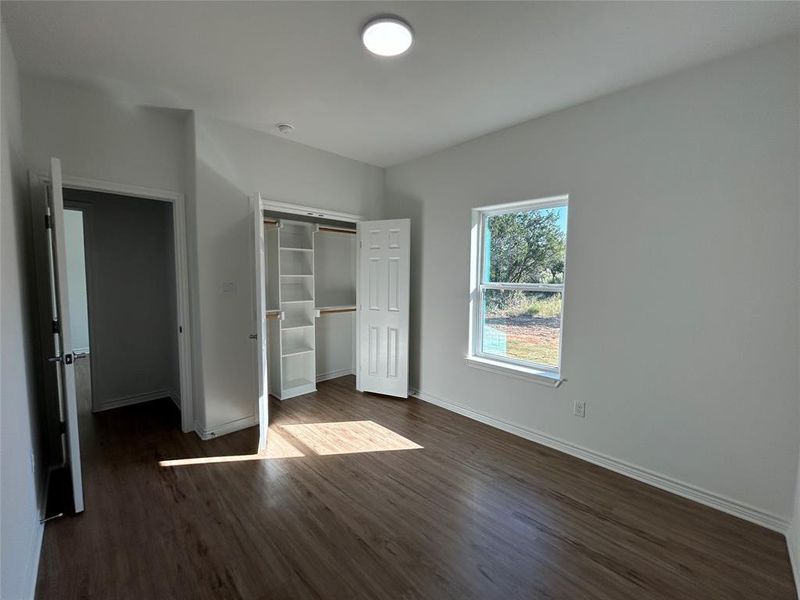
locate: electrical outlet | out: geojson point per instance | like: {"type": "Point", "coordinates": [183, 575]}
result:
{"type": "Point", "coordinates": [579, 408]}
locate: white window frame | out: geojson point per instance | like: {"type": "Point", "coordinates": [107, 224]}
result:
{"type": "Point", "coordinates": [507, 365]}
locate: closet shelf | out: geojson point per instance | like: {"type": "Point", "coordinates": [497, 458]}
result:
{"type": "Point", "coordinates": [297, 274]}
{"type": "Point", "coordinates": [290, 349]}
{"type": "Point", "coordinates": [293, 249]}
{"type": "Point", "coordinates": [295, 324]}
{"type": "Point", "coordinates": [291, 245]}
{"type": "Point", "coordinates": [296, 291]}
{"type": "Point", "coordinates": [338, 229]}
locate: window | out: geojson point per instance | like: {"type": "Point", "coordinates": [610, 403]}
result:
{"type": "Point", "coordinates": [517, 296]}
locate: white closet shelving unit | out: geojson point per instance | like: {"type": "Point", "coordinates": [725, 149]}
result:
{"type": "Point", "coordinates": [290, 292]}
{"type": "Point", "coordinates": [311, 303]}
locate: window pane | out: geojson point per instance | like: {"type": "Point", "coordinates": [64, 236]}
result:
{"type": "Point", "coordinates": [526, 247]}
{"type": "Point", "coordinates": [522, 325]}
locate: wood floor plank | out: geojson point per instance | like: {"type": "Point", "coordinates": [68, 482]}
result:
{"type": "Point", "coordinates": [361, 496]}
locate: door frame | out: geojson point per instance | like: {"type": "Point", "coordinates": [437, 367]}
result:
{"type": "Point", "coordinates": [181, 272]}
{"type": "Point", "coordinates": [308, 211]}
{"type": "Point", "coordinates": [259, 272]}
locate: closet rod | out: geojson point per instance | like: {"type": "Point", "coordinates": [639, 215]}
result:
{"type": "Point", "coordinates": [337, 310]}
{"type": "Point", "coordinates": [321, 227]}
{"type": "Point", "coordinates": [337, 229]}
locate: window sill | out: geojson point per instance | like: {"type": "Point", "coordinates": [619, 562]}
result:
{"type": "Point", "coordinates": [529, 374]}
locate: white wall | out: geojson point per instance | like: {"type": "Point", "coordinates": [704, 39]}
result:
{"type": "Point", "coordinates": [335, 344]}
{"type": "Point", "coordinates": [233, 163]}
{"type": "Point", "coordinates": [20, 478]}
{"type": "Point", "coordinates": [76, 278]}
{"type": "Point", "coordinates": [681, 309]}
{"type": "Point", "coordinates": [132, 297]}
{"type": "Point", "coordinates": [101, 137]}
{"type": "Point", "coordinates": [793, 535]}
{"type": "Point", "coordinates": [217, 165]}
{"type": "Point", "coordinates": [335, 285]}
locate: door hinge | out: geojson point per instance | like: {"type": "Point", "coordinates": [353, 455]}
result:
{"type": "Point", "coordinates": [56, 327]}
{"type": "Point", "coordinates": [48, 222]}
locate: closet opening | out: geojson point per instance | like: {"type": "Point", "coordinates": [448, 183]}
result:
{"type": "Point", "coordinates": [310, 299]}
{"type": "Point", "coordinates": [332, 301]}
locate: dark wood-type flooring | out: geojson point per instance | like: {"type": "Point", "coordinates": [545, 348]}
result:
{"type": "Point", "coordinates": [356, 511]}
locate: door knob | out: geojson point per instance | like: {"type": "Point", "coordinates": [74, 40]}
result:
{"type": "Point", "coordinates": [67, 359]}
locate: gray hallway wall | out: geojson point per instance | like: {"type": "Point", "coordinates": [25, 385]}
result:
{"type": "Point", "coordinates": [132, 300]}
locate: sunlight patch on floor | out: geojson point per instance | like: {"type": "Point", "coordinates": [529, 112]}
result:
{"type": "Point", "coordinates": [209, 460]}
{"type": "Point", "coordinates": [323, 439]}
{"type": "Point", "coordinates": [348, 437]}
{"type": "Point", "coordinates": [280, 447]}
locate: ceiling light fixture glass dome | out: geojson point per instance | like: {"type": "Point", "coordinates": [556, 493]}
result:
{"type": "Point", "coordinates": [387, 36]}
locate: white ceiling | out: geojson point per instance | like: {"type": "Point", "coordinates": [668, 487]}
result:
{"type": "Point", "coordinates": [475, 67]}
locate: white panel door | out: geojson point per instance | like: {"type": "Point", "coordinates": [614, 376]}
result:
{"type": "Point", "coordinates": [62, 354]}
{"type": "Point", "coordinates": [383, 306]}
{"type": "Point", "coordinates": [260, 322]}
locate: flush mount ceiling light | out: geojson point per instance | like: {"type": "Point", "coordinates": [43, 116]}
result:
{"type": "Point", "coordinates": [387, 36]}
{"type": "Point", "coordinates": [284, 128]}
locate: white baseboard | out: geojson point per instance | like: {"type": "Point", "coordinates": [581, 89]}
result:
{"type": "Point", "coordinates": [334, 374]}
{"type": "Point", "coordinates": [176, 398]}
{"type": "Point", "coordinates": [795, 566]}
{"type": "Point", "coordinates": [297, 391]}
{"type": "Point", "coordinates": [132, 399]}
{"type": "Point", "coordinates": [791, 535]}
{"type": "Point", "coordinates": [32, 566]}
{"type": "Point", "coordinates": [723, 503]}
{"type": "Point", "coordinates": [219, 430]}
